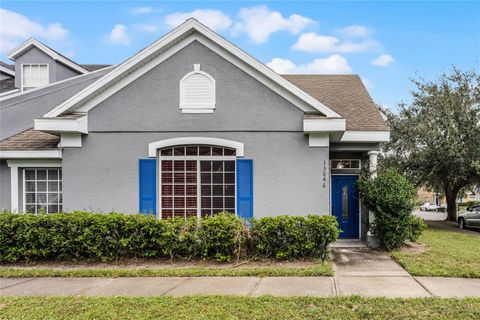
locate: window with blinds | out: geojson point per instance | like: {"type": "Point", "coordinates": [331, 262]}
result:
{"type": "Point", "coordinates": [196, 180]}
{"type": "Point", "coordinates": [34, 75]}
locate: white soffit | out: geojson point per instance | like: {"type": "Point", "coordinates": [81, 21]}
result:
{"type": "Point", "coordinates": [166, 47]}
{"type": "Point", "coordinates": [50, 52]}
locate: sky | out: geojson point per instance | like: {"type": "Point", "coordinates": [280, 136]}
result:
{"type": "Point", "coordinates": [387, 43]}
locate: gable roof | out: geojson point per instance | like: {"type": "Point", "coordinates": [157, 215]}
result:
{"type": "Point", "coordinates": [15, 52]}
{"type": "Point", "coordinates": [346, 95]}
{"type": "Point", "coordinates": [191, 30]}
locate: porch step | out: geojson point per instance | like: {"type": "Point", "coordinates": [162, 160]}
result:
{"type": "Point", "coordinates": [348, 243]}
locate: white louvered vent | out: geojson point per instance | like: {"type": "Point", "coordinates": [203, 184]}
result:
{"type": "Point", "coordinates": [197, 92]}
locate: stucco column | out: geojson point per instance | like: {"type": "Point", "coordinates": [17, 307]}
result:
{"type": "Point", "coordinates": [373, 162]}
{"type": "Point", "coordinates": [371, 240]}
{"type": "Point", "coordinates": [13, 187]}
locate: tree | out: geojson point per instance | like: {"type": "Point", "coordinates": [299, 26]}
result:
{"type": "Point", "coordinates": [435, 141]}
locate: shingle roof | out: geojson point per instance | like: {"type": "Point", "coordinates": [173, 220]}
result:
{"type": "Point", "coordinates": [30, 140]}
{"type": "Point", "coordinates": [7, 85]}
{"type": "Point", "coordinates": [93, 67]}
{"type": "Point", "coordinates": [344, 94]}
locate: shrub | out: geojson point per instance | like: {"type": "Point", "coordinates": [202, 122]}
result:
{"type": "Point", "coordinates": [287, 237]}
{"type": "Point", "coordinates": [417, 226]}
{"type": "Point", "coordinates": [392, 199]}
{"type": "Point", "coordinates": [80, 236]}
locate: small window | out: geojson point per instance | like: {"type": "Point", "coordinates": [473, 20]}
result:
{"type": "Point", "coordinates": [42, 190]}
{"type": "Point", "coordinates": [197, 92]}
{"type": "Point", "coordinates": [345, 164]}
{"type": "Point", "coordinates": [34, 75]}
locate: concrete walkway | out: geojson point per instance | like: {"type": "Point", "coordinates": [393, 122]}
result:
{"type": "Point", "coordinates": [358, 270]}
{"type": "Point", "coordinates": [372, 273]}
{"type": "Point", "coordinates": [398, 286]}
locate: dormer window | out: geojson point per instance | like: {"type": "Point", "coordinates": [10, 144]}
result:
{"type": "Point", "coordinates": [197, 92]}
{"type": "Point", "coordinates": [34, 75]}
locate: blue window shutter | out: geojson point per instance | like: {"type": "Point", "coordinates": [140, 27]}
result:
{"type": "Point", "coordinates": [245, 188]}
{"type": "Point", "coordinates": [147, 174]}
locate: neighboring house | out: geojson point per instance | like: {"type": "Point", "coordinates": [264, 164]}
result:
{"type": "Point", "coordinates": [190, 126]}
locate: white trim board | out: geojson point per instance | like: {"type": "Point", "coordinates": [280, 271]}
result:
{"type": "Point", "coordinates": [29, 154]}
{"type": "Point", "coordinates": [31, 163]}
{"type": "Point", "coordinates": [62, 125]}
{"type": "Point", "coordinates": [365, 136]}
{"type": "Point", "coordinates": [154, 146]}
{"type": "Point", "coordinates": [50, 52]}
{"type": "Point", "coordinates": [324, 125]}
{"type": "Point", "coordinates": [181, 36]}
{"type": "Point", "coordinates": [7, 71]}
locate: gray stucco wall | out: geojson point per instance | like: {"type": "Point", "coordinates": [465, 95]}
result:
{"type": "Point", "coordinates": [5, 203]}
{"type": "Point", "coordinates": [103, 174]}
{"type": "Point", "coordinates": [57, 71]}
{"type": "Point", "coordinates": [152, 101]}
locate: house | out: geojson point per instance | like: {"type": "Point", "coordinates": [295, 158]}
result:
{"type": "Point", "coordinates": [189, 126]}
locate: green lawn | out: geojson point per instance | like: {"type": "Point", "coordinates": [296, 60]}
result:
{"type": "Point", "coordinates": [317, 269]}
{"type": "Point", "coordinates": [228, 307]}
{"type": "Point", "coordinates": [448, 254]}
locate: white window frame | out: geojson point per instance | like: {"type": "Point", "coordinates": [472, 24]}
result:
{"type": "Point", "coordinates": [349, 160]}
{"type": "Point", "coordinates": [199, 194]}
{"type": "Point", "coordinates": [197, 108]}
{"type": "Point", "coordinates": [24, 190]}
{"type": "Point", "coordinates": [33, 64]}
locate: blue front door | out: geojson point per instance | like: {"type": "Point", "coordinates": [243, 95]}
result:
{"type": "Point", "coordinates": [345, 205]}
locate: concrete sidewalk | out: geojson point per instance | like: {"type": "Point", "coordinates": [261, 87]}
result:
{"type": "Point", "coordinates": [244, 286]}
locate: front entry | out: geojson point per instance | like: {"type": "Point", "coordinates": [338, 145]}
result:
{"type": "Point", "coordinates": [345, 205]}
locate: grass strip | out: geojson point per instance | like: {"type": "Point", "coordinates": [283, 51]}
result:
{"type": "Point", "coordinates": [319, 269]}
{"type": "Point", "coordinates": [231, 307]}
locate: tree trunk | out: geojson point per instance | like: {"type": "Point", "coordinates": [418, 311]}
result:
{"type": "Point", "coordinates": [451, 197]}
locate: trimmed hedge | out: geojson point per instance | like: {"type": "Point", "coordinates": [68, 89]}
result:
{"type": "Point", "coordinates": [84, 236]}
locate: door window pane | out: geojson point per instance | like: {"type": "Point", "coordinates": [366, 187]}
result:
{"type": "Point", "coordinates": [345, 203]}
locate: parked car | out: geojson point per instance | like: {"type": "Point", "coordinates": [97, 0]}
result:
{"type": "Point", "coordinates": [443, 207]}
{"type": "Point", "coordinates": [428, 207]}
{"type": "Point", "coordinates": [470, 218]}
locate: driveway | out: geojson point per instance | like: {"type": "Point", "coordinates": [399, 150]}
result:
{"type": "Point", "coordinates": [431, 215]}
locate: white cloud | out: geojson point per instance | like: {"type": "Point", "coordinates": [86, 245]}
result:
{"type": "Point", "coordinates": [281, 66]}
{"type": "Point", "coordinates": [333, 64]}
{"type": "Point", "coordinates": [355, 31]}
{"type": "Point", "coordinates": [140, 10]}
{"type": "Point", "coordinates": [383, 60]}
{"type": "Point", "coordinates": [15, 28]}
{"type": "Point", "coordinates": [259, 23]}
{"type": "Point", "coordinates": [214, 19]}
{"type": "Point", "coordinates": [143, 27]}
{"type": "Point", "coordinates": [119, 35]}
{"type": "Point", "coordinates": [313, 42]}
